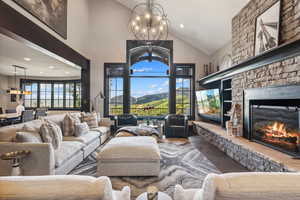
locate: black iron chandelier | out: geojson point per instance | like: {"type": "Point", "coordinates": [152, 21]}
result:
{"type": "Point", "coordinates": [149, 21]}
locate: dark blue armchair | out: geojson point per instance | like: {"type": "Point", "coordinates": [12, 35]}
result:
{"type": "Point", "coordinates": [176, 126]}
{"type": "Point", "coordinates": [125, 120]}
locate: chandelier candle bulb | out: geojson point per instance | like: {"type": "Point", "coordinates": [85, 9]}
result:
{"type": "Point", "coordinates": [151, 23]}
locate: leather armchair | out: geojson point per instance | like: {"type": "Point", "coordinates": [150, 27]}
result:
{"type": "Point", "coordinates": [176, 126]}
{"type": "Point", "coordinates": [125, 120]}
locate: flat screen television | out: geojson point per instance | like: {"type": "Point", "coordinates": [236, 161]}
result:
{"type": "Point", "coordinates": [209, 104]}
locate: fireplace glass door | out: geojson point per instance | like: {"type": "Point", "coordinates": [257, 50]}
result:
{"type": "Point", "coordinates": [277, 127]}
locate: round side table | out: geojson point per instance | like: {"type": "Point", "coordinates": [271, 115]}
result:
{"type": "Point", "coordinates": [161, 196]}
{"type": "Point", "coordinates": [15, 158]}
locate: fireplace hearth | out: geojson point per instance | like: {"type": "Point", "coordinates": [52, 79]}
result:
{"type": "Point", "coordinates": [271, 118]}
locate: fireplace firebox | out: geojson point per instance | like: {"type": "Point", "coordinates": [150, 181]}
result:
{"type": "Point", "coordinates": [271, 118]}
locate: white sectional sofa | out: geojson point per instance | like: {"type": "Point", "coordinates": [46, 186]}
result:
{"type": "Point", "coordinates": [44, 160]}
{"type": "Point", "coordinates": [244, 186]}
{"type": "Point", "coordinates": [60, 187]}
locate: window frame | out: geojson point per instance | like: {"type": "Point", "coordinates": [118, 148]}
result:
{"type": "Point", "coordinates": [172, 102]}
{"type": "Point", "coordinates": [108, 66]}
{"type": "Point", "coordinates": [52, 82]}
{"type": "Point", "coordinates": [192, 66]}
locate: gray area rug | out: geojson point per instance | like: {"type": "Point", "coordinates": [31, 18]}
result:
{"type": "Point", "coordinates": [181, 164]}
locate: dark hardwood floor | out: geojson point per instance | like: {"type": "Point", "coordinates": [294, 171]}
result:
{"type": "Point", "coordinates": [224, 163]}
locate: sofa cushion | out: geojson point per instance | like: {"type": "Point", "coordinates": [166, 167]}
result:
{"type": "Point", "coordinates": [32, 127]}
{"type": "Point", "coordinates": [90, 119]}
{"type": "Point", "coordinates": [85, 139]}
{"type": "Point", "coordinates": [8, 133]}
{"type": "Point", "coordinates": [101, 129]}
{"type": "Point", "coordinates": [81, 129]}
{"type": "Point", "coordinates": [51, 133]}
{"type": "Point", "coordinates": [57, 119]}
{"type": "Point", "coordinates": [141, 148]}
{"type": "Point", "coordinates": [66, 151]}
{"type": "Point", "coordinates": [69, 124]}
{"type": "Point", "coordinates": [56, 188]}
{"type": "Point", "coordinates": [28, 137]}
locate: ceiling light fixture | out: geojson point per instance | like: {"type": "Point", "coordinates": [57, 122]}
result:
{"type": "Point", "coordinates": [51, 67]}
{"type": "Point", "coordinates": [15, 90]}
{"type": "Point", "coordinates": [27, 59]}
{"type": "Point", "coordinates": [67, 72]}
{"type": "Point", "coordinates": [149, 21]}
{"type": "Point", "coordinates": [181, 26]}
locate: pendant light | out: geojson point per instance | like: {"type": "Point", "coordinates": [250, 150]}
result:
{"type": "Point", "coordinates": [16, 91]}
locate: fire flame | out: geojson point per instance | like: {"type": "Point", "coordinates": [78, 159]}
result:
{"type": "Point", "coordinates": [279, 130]}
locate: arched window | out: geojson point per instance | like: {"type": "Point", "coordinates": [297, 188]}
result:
{"type": "Point", "coordinates": [149, 84]}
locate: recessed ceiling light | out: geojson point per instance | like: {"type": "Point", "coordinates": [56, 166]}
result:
{"type": "Point", "coordinates": [27, 59]}
{"type": "Point", "coordinates": [67, 72]}
{"type": "Point", "coordinates": [41, 72]}
{"type": "Point", "coordinates": [181, 26]}
{"type": "Point", "coordinates": [51, 67]}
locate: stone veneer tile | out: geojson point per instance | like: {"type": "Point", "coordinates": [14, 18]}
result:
{"type": "Point", "coordinates": [253, 156]}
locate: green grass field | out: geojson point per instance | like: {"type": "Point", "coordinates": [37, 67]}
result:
{"type": "Point", "coordinates": [157, 108]}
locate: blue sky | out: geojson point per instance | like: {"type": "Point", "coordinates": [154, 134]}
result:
{"type": "Point", "coordinates": [147, 86]}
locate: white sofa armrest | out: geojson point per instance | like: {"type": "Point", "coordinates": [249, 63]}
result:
{"type": "Point", "coordinates": [124, 194]}
{"type": "Point", "coordinates": [110, 194]}
{"type": "Point", "coordinates": [41, 160]}
{"type": "Point", "coordinates": [184, 194]}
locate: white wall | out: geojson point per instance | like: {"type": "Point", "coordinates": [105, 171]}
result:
{"type": "Point", "coordinates": [78, 24]}
{"type": "Point", "coordinates": [109, 32]}
{"type": "Point", "coordinates": [4, 98]}
{"type": "Point", "coordinates": [98, 29]}
{"type": "Point", "coordinates": [221, 57]}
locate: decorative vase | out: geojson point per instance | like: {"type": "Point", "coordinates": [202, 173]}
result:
{"type": "Point", "coordinates": [152, 193]}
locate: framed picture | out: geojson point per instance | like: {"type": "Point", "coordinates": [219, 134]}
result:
{"type": "Point", "coordinates": [53, 13]}
{"type": "Point", "coordinates": [267, 29]}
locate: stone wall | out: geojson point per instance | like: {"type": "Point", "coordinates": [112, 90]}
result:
{"type": "Point", "coordinates": [286, 72]}
{"type": "Point", "coordinates": [247, 157]}
{"type": "Point", "coordinates": [243, 26]}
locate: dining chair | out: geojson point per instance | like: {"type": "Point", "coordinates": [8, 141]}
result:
{"type": "Point", "coordinates": [40, 112]}
{"type": "Point", "coordinates": [27, 115]}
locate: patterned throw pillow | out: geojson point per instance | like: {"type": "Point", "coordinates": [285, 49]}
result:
{"type": "Point", "coordinates": [90, 119]}
{"type": "Point", "coordinates": [81, 129]}
{"type": "Point", "coordinates": [51, 133]}
{"type": "Point", "coordinates": [69, 124]}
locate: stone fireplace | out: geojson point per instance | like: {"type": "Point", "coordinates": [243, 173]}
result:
{"type": "Point", "coordinates": [272, 118]}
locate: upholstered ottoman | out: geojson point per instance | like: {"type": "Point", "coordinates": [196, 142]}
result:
{"type": "Point", "coordinates": [129, 156]}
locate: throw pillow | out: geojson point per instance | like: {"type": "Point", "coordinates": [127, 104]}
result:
{"type": "Point", "coordinates": [81, 129]}
{"type": "Point", "coordinates": [31, 128]}
{"type": "Point", "coordinates": [90, 119]}
{"type": "Point", "coordinates": [69, 124]}
{"type": "Point", "coordinates": [28, 137]}
{"type": "Point", "coordinates": [51, 133]}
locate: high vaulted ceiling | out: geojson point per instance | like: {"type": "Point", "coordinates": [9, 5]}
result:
{"type": "Point", "coordinates": [13, 52]}
{"type": "Point", "coordinates": [207, 23]}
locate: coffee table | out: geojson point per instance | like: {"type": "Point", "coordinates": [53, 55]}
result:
{"type": "Point", "coordinates": [161, 196]}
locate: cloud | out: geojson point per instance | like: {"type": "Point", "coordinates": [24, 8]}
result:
{"type": "Point", "coordinates": [181, 80]}
{"type": "Point", "coordinates": [166, 83]}
{"type": "Point", "coordinates": [154, 86]}
{"type": "Point", "coordinates": [142, 70]}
